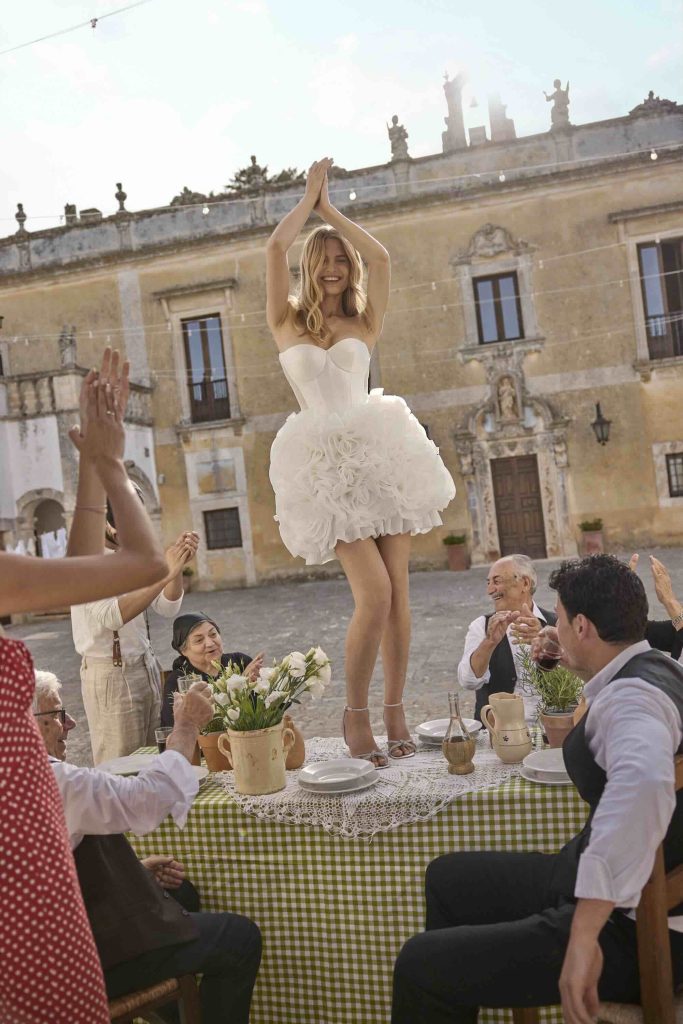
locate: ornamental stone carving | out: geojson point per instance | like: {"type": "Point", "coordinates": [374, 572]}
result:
{"type": "Point", "coordinates": [489, 241]}
{"type": "Point", "coordinates": [654, 105]}
{"type": "Point", "coordinates": [508, 407]}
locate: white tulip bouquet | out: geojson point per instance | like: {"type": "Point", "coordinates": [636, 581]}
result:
{"type": "Point", "coordinates": [244, 704]}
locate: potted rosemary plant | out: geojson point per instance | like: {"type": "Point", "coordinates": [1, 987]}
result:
{"type": "Point", "coordinates": [559, 692]}
{"type": "Point", "coordinates": [592, 541]}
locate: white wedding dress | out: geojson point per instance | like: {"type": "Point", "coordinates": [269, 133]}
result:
{"type": "Point", "coordinates": [350, 465]}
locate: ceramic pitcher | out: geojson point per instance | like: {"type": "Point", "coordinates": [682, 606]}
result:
{"type": "Point", "coordinates": [258, 758]}
{"type": "Point", "coordinates": [504, 719]}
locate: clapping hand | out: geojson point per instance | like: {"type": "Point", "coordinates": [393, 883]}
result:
{"type": "Point", "coordinates": [181, 551]}
{"type": "Point", "coordinates": [254, 667]}
{"type": "Point", "coordinates": [195, 707]}
{"type": "Point", "coordinates": [663, 585]}
{"type": "Point", "coordinates": [109, 385]}
{"type": "Point", "coordinates": [167, 871]}
{"type": "Point", "coordinates": [498, 624]}
{"type": "Point", "coordinates": [525, 627]}
{"type": "Point", "coordinates": [316, 179]}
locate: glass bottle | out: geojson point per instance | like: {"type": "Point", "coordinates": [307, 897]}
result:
{"type": "Point", "coordinates": [458, 744]}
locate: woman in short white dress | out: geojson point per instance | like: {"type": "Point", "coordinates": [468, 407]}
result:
{"type": "Point", "coordinates": [354, 474]}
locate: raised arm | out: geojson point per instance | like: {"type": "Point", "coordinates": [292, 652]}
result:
{"type": "Point", "coordinates": [86, 536]}
{"type": "Point", "coordinates": [373, 253]}
{"type": "Point", "coordinates": [282, 239]}
{"type": "Point", "coordinates": [36, 584]}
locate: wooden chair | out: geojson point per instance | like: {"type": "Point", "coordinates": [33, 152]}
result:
{"type": "Point", "coordinates": [658, 1004]}
{"type": "Point", "coordinates": [126, 1009]}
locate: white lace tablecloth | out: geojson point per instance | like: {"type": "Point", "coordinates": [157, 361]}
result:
{"type": "Point", "coordinates": [412, 790]}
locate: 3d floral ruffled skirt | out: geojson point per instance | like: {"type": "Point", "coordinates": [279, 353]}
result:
{"type": "Point", "coordinates": [365, 471]}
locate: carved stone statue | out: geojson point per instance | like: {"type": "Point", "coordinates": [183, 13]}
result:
{"type": "Point", "coordinates": [559, 115]}
{"type": "Point", "coordinates": [654, 105]}
{"type": "Point", "coordinates": [398, 137]}
{"type": "Point", "coordinates": [507, 399]}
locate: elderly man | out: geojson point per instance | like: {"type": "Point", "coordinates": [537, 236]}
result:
{"type": "Point", "coordinates": [531, 929]}
{"type": "Point", "coordinates": [142, 935]}
{"type": "Point", "coordinates": [491, 661]}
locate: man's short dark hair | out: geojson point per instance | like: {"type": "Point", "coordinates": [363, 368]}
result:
{"type": "Point", "coordinates": [607, 592]}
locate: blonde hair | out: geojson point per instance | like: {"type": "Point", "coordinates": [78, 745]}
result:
{"type": "Point", "coordinates": [307, 304]}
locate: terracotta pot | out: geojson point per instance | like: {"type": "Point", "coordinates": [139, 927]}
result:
{"type": "Point", "coordinates": [458, 557]}
{"type": "Point", "coordinates": [258, 758]}
{"type": "Point", "coordinates": [297, 753]}
{"type": "Point", "coordinates": [187, 584]}
{"type": "Point", "coordinates": [557, 725]}
{"type": "Point", "coordinates": [215, 760]}
{"type": "Point", "coordinates": [592, 542]}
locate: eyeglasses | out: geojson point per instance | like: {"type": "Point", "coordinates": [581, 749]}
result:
{"type": "Point", "coordinates": [62, 712]}
{"type": "Point", "coordinates": [496, 581]}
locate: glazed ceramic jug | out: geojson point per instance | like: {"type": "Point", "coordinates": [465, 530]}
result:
{"type": "Point", "coordinates": [258, 757]}
{"type": "Point", "coordinates": [504, 719]}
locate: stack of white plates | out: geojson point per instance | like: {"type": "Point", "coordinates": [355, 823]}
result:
{"type": "Point", "coordinates": [547, 767]}
{"type": "Point", "coordinates": [341, 775]}
{"type": "Point", "coordinates": [432, 733]}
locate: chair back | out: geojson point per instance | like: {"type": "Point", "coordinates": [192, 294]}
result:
{"type": "Point", "coordinates": [660, 895]}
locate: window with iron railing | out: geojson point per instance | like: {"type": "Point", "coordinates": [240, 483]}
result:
{"type": "Point", "coordinates": [674, 470]}
{"type": "Point", "coordinates": [661, 278]}
{"type": "Point", "coordinates": [206, 376]}
{"type": "Point", "coordinates": [499, 312]}
{"type": "Point", "coordinates": [222, 528]}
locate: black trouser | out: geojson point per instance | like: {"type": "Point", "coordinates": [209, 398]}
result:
{"type": "Point", "coordinates": [227, 953]}
{"type": "Point", "coordinates": [497, 930]}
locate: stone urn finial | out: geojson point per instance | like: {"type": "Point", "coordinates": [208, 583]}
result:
{"type": "Point", "coordinates": [120, 197]}
{"type": "Point", "coordinates": [20, 218]}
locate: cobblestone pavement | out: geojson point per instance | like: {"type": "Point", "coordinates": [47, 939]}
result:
{"type": "Point", "coordinates": [281, 617]}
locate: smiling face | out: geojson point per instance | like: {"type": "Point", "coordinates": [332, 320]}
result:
{"type": "Point", "coordinates": [334, 271]}
{"type": "Point", "coordinates": [51, 729]}
{"type": "Point", "coordinates": [203, 646]}
{"type": "Point", "coordinates": [507, 588]}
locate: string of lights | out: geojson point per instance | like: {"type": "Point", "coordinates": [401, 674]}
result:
{"type": "Point", "coordinates": [238, 319]}
{"type": "Point", "coordinates": [358, 191]}
{"type": "Point", "coordinates": [89, 23]}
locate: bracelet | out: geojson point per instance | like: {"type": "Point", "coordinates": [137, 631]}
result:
{"type": "Point", "coordinates": [677, 621]}
{"type": "Point", "coordinates": [90, 508]}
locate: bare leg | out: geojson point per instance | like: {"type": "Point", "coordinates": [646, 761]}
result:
{"type": "Point", "coordinates": [395, 552]}
{"type": "Point", "coordinates": [371, 588]}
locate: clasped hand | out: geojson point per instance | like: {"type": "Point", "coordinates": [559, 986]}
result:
{"type": "Point", "coordinates": [524, 626]}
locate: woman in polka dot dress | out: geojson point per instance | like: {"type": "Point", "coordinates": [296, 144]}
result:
{"type": "Point", "coordinates": [49, 969]}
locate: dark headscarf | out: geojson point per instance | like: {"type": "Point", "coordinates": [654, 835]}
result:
{"type": "Point", "coordinates": [183, 626]}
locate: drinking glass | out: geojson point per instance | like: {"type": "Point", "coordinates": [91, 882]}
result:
{"type": "Point", "coordinates": [161, 735]}
{"type": "Point", "coordinates": [547, 656]}
{"type": "Point", "coordinates": [186, 681]}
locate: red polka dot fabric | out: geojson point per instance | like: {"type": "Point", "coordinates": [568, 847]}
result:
{"type": "Point", "coordinates": [49, 969]}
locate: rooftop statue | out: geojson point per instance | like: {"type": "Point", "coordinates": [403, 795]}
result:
{"type": "Point", "coordinates": [398, 137]}
{"type": "Point", "coordinates": [654, 105]}
{"type": "Point", "coordinates": [559, 115]}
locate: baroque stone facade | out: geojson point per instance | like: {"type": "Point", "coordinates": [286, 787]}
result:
{"type": "Point", "coordinates": [517, 304]}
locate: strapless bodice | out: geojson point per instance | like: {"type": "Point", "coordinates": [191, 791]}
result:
{"type": "Point", "coordinates": [328, 380]}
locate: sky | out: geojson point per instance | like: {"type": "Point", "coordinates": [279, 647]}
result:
{"type": "Point", "coordinates": [181, 92]}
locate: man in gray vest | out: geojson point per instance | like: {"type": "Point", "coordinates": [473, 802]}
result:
{"type": "Point", "coordinates": [491, 659]}
{"type": "Point", "coordinates": [532, 929]}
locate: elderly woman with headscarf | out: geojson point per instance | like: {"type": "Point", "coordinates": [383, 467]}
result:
{"type": "Point", "coordinates": [198, 641]}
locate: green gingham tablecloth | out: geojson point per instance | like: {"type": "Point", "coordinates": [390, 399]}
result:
{"type": "Point", "coordinates": [334, 912]}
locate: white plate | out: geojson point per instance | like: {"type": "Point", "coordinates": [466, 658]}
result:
{"type": "Point", "coordinates": [549, 761]}
{"type": "Point", "coordinates": [531, 776]}
{"type": "Point", "coordinates": [336, 775]}
{"type": "Point", "coordinates": [134, 763]}
{"type": "Point", "coordinates": [361, 783]}
{"type": "Point", "coordinates": [130, 765]}
{"type": "Point", "coordinates": [434, 732]}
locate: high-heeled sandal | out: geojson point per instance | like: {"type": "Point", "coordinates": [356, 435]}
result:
{"type": "Point", "coordinates": [393, 745]}
{"type": "Point", "coordinates": [375, 757]}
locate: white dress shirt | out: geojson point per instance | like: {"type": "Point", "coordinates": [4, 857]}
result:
{"type": "Point", "coordinates": [99, 804]}
{"type": "Point", "coordinates": [92, 626]}
{"type": "Point", "coordinates": [633, 731]}
{"type": "Point", "coordinates": [469, 681]}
